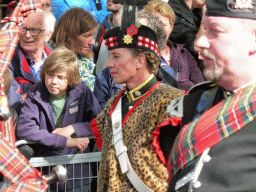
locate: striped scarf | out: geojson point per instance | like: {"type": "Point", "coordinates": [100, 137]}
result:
{"type": "Point", "coordinates": [219, 122]}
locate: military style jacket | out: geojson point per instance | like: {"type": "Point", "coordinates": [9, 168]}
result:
{"type": "Point", "coordinates": [141, 122]}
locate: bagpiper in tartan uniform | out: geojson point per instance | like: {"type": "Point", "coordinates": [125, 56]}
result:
{"type": "Point", "coordinates": [215, 149]}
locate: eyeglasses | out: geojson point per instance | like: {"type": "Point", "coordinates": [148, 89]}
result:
{"type": "Point", "coordinates": [33, 31]}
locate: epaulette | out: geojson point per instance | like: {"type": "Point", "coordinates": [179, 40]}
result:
{"type": "Point", "coordinates": [206, 85]}
{"type": "Point", "coordinates": [175, 108]}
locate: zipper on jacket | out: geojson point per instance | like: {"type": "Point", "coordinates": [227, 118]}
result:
{"type": "Point", "coordinates": [178, 72]}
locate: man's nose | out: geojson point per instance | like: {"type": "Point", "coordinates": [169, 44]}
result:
{"type": "Point", "coordinates": [201, 42]}
{"type": "Point", "coordinates": [28, 34]}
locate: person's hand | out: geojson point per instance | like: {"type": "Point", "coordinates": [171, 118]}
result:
{"type": "Point", "coordinates": [78, 143]}
{"type": "Point", "coordinates": [24, 96]}
{"type": "Point", "coordinates": [65, 131]}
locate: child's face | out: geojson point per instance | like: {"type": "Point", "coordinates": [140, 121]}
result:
{"type": "Point", "coordinates": [56, 83]}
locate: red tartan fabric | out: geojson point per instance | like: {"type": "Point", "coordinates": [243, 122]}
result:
{"type": "Point", "coordinates": [111, 42]}
{"type": "Point", "coordinates": [4, 40]}
{"type": "Point", "coordinates": [7, 129]}
{"type": "Point", "coordinates": [146, 42]}
{"type": "Point", "coordinates": [16, 168]}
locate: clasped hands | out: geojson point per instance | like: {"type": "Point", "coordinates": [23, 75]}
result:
{"type": "Point", "coordinates": [78, 143]}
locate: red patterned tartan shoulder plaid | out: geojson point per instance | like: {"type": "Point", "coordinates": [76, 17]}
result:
{"type": "Point", "coordinates": [221, 121]}
{"type": "Point", "coordinates": [15, 167]}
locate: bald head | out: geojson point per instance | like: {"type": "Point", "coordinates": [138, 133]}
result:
{"type": "Point", "coordinates": [36, 19]}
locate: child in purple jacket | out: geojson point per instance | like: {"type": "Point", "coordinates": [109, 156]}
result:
{"type": "Point", "coordinates": [57, 113]}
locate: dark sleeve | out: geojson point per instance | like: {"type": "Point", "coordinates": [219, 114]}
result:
{"type": "Point", "coordinates": [91, 110]}
{"type": "Point", "coordinates": [14, 117]}
{"type": "Point", "coordinates": [195, 73]}
{"type": "Point", "coordinates": [168, 76]}
{"type": "Point", "coordinates": [15, 99]}
{"type": "Point", "coordinates": [167, 137]}
{"type": "Point", "coordinates": [101, 89]}
{"type": "Point", "coordinates": [105, 87]}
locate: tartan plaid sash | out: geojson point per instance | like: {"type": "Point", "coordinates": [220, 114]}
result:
{"type": "Point", "coordinates": [8, 131]}
{"type": "Point", "coordinates": [219, 122]}
{"type": "Point", "coordinates": [15, 167]}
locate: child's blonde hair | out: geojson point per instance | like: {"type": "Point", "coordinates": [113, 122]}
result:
{"type": "Point", "coordinates": [60, 60]}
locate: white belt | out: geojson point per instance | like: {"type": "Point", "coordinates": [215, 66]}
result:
{"type": "Point", "coordinates": [121, 150]}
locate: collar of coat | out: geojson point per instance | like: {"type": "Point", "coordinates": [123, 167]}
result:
{"type": "Point", "coordinates": [141, 90]}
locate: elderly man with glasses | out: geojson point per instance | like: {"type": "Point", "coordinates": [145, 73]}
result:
{"type": "Point", "coordinates": [31, 52]}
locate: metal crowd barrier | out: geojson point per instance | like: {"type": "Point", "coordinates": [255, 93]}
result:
{"type": "Point", "coordinates": [43, 163]}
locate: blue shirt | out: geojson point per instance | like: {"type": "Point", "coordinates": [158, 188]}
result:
{"type": "Point", "coordinates": [32, 64]}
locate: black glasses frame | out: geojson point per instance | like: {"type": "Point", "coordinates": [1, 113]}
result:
{"type": "Point", "coordinates": [33, 31]}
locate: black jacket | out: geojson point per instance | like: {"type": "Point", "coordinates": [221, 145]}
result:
{"type": "Point", "coordinates": [186, 24]}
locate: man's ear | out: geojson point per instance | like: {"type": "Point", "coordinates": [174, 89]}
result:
{"type": "Point", "coordinates": [48, 36]}
{"type": "Point", "coordinates": [141, 61]}
{"type": "Point", "coordinates": [252, 51]}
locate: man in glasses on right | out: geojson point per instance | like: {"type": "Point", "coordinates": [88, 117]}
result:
{"type": "Point", "coordinates": [32, 50]}
{"type": "Point", "coordinates": [215, 149]}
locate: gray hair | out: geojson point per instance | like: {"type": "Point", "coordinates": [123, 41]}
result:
{"type": "Point", "coordinates": [49, 21]}
{"type": "Point", "coordinates": [148, 19]}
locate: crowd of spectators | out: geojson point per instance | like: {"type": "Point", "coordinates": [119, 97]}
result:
{"type": "Point", "coordinates": [139, 90]}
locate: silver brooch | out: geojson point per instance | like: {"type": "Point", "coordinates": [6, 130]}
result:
{"type": "Point", "coordinates": [116, 124]}
{"type": "Point", "coordinates": [137, 93]}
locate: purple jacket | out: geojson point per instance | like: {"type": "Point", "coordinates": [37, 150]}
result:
{"type": "Point", "coordinates": [184, 66]}
{"type": "Point", "coordinates": [36, 122]}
